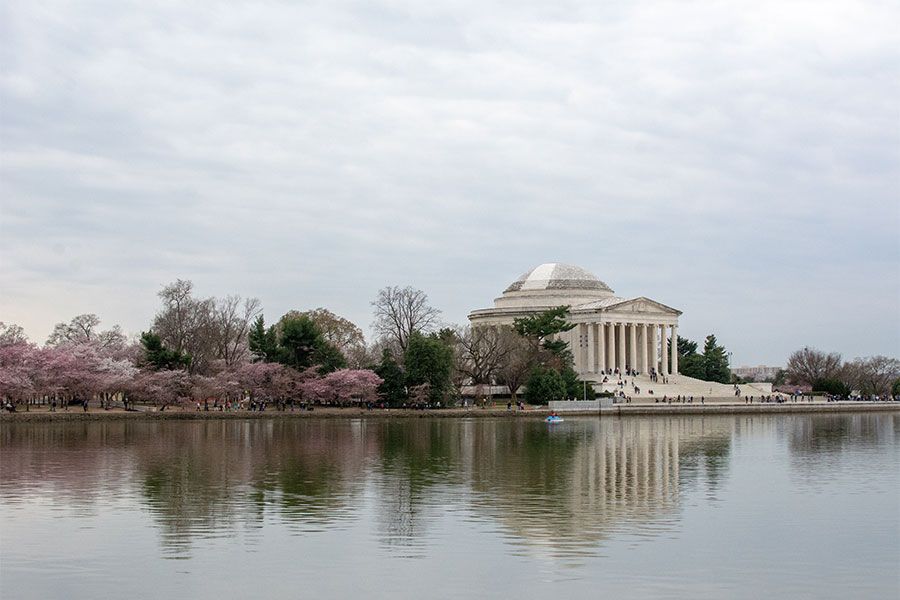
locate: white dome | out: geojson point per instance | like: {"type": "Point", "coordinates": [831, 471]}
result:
{"type": "Point", "coordinates": [557, 276]}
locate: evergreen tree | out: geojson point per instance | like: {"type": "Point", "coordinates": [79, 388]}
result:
{"type": "Point", "coordinates": [541, 326]}
{"type": "Point", "coordinates": [301, 345]}
{"type": "Point", "coordinates": [545, 384]}
{"type": "Point", "coordinates": [328, 357]}
{"type": "Point", "coordinates": [686, 347]}
{"type": "Point", "coordinates": [575, 387]}
{"type": "Point", "coordinates": [160, 357]}
{"type": "Point", "coordinates": [552, 353]}
{"type": "Point", "coordinates": [715, 361]}
{"type": "Point", "coordinates": [835, 387]}
{"type": "Point", "coordinates": [692, 365]}
{"type": "Point", "coordinates": [263, 342]}
{"type": "Point", "coordinates": [429, 360]}
{"type": "Point", "coordinates": [393, 386]}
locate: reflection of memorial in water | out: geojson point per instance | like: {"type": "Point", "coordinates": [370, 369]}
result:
{"type": "Point", "coordinates": [562, 491]}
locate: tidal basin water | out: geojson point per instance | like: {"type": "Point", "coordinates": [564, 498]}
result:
{"type": "Point", "coordinates": [764, 506]}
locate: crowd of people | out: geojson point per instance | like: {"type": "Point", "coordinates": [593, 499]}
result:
{"type": "Point", "coordinates": [679, 400]}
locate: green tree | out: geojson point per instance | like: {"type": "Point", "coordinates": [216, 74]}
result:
{"type": "Point", "coordinates": [393, 386]}
{"type": "Point", "coordinates": [301, 345]}
{"type": "Point", "coordinates": [428, 359]}
{"type": "Point", "coordinates": [554, 354]}
{"type": "Point", "coordinates": [690, 363]}
{"type": "Point", "coordinates": [780, 377]}
{"type": "Point", "coordinates": [715, 361]}
{"type": "Point", "coordinates": [686, 347]}
{"type": "Point", "coordinates": [540, 327]}
{"type": "Point", "coordinates": [545, 384]}
{"type": "Point", "coordinates": [575, 387]}
{"type": "Point", "coordinates": [895, 388]}
{"type": "Point", "coordinates": [263, 342]}
{"type": "Point", "coordinates": [329, 358]}
{"type": "Point", "coordinates": [158, 356]}
{"type": "Point", "coordinates": [835, 387]}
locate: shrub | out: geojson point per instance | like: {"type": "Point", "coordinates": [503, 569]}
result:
{"type": "Point", "coordinates": [544, 385]}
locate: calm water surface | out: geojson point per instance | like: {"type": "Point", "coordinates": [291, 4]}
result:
{"type": "Point", "coordinates": [691, 507]}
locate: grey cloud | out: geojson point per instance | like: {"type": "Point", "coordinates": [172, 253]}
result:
{"type": "Point", "coordinates": [736, 160]}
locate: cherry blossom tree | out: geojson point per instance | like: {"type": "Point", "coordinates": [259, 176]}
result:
{"type": "Point", "coordinates": [343, 386]}
{"type": "Point", "coordinates": [11, 334]}
{"type": "Point", "coordinates": [83, 329]}
{"type": "Point", "coordinates": [16, 370]}
{"type": "Point", "coordinates": [162, 388]}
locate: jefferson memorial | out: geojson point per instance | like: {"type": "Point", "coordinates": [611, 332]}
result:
{"type": "Point", "coordinates": [612, 337]}
{"type": "Point", "coordinates": [610, 332]}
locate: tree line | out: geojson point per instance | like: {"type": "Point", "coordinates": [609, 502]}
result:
{"type": "Point", "coordinates": [223, 351]}
{"type": "Point", "coordinates": [827, 372]}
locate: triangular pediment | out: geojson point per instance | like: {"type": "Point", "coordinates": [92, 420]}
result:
{"type": "Point", "coordinates": [642, 305]}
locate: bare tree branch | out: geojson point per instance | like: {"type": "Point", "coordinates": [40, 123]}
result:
{"type": "Point", "coordinates": [399, 312]}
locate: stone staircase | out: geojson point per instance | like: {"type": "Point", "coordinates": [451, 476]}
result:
{"type": "Point", "coordinates": [678, 385]}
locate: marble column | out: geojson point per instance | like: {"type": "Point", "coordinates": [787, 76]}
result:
{"type": "Point", "coordinates": [582, 334]}
{"type": "Point", "coordinates": [644, 348]}
{"type": "Point", "coordinates": [632, 354]}
{"type": "Point", "coordinates": [654, 347]}
{"type": "Point", "coordinates": [601, 346]}
{"type": "Point", "coordinates": [620, 351]}
{"type": "Point", "coordinates": [610, 346]}
{"type": "Point", "coordinates": [664, 365]}
{"type": "Point", "coordinates": [571, 338]}
{"type": "Point", "coordinates": [591, 365]}
{"type": "Point", "coordinates": [675, 349]}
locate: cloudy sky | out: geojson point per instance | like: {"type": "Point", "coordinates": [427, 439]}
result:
{"type": "Point", "coordinates": [738, 160]}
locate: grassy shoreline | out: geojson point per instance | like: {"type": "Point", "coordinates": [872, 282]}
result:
{"type": "Point", "coordinates": [532, 412]}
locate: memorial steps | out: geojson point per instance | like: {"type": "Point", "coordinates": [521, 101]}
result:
{"type": "Point", "coordinates": [681, 385]}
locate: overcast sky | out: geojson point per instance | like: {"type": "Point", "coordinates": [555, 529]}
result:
{"type": "Point", "coordinates": [738, 160]}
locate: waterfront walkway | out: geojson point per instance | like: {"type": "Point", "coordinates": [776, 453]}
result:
{"type": "Point", "coordinates": [712, 408]}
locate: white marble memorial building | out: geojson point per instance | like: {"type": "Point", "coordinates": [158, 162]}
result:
{"type": "Point", "coordinates": [610, 332]}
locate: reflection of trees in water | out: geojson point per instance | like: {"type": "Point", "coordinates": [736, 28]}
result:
{"type": "Point", "coordinates": [213, 475]}
{"type": "Point", "coordinates": [418, 460]}
{"type": "Point", "coordinates": [824, 446]}
{"type": "Point", "coordinates": [812, 434]}
{"type": "Point", "coordinates": [560, 488]}
{"type": "Point", "coordinates": [313, 470]}
{"type": "Point", "coordinates": [705, 450]}
{"type": "Point", "coordinates": [79, 465]}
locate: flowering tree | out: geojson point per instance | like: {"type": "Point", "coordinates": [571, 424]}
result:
{"type": "Point", "coordinates": [11, 334]}
{"type": "Point", "coordinates": [83, 330]}
{"type": "Point", "coordinates": [81, 364]}
{"type": "Point", "coordinates": [344, 386]}
{"type": "Point", "coordinates": [16, 381]}
{"type": "Point", "coordinates": [162, 388]}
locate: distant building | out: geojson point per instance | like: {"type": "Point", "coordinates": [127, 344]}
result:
{"type": "Point", "coordinates": [610, 332]}
{"type": "Point", "coordinates": [758, 373]}
{"type": "Point", "coordinates": [620, 344]}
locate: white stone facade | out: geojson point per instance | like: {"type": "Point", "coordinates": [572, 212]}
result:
{"type": "Point", "coordinates": [610, 334]}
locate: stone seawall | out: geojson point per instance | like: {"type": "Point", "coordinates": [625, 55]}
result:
{"type": "Point", "coordinates": [740, 409]}
{"type": "Point", "coordinates": [622, 410]}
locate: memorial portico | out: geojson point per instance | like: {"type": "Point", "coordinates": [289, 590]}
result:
{"type": "Point", "coordinates": [610, 332]}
